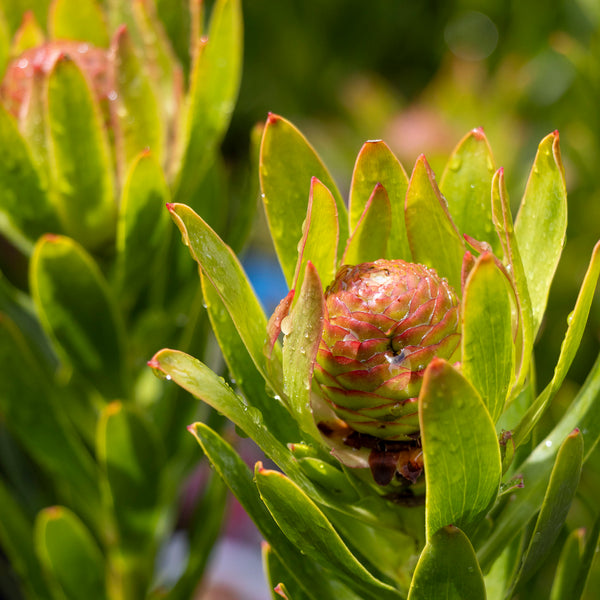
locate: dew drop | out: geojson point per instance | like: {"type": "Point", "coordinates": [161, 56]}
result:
{"type": "Point", "coordinates": [548, 443]}
{"type": "Point", "coordinates": [168, 377]}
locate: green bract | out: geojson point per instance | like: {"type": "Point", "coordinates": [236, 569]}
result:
{"type": "Point", "coordinates": [417, 354]}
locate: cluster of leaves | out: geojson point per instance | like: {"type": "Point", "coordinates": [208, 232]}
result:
{"type": "Point", "coordinates": [496, 495]}
{"type": "Point", "coordinates": [92, 448]}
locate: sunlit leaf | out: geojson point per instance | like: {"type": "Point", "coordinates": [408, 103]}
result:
{"type": "Point", "coordinates": [460, 450]}
{"type": "Point", "coordinates": [78, 20]}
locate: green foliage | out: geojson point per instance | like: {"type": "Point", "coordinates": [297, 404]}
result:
{"type": "Point", "coordinates": [326, 502]}
{"type": "Point", "coordinates": [98, 132]}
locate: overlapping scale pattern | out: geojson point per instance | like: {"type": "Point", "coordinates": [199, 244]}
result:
{"type": "Point", "coordinates": [386, 320]}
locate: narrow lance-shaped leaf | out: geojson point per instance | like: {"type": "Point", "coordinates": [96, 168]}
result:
{"type": "Point", "coordinates": [28, 404]}
{"type": "Point", "coordinates": [135, 110]}
{"type": "Point", "coordinates": [80, 159]}
{"type": "Point", "coordinates": [584, 413]}
{"type": "Point", "coordinates": [16, 539]}
{"type": "Point", "coordinates": [28, 35]}
{"type": "Point", "coordinates": [568, 350]}
{"type": "Point", "coordinates": [567, 571]}
{"type": "Point", "coordinates": [279, 577]}
{"type": "Point", "coordinates": [466, 184]}
{"type": "Point", "coordinates": [433, 238]}
{"type": "Point", "coordinates": [589, 553]}
{"type": "Point", "coordinates": [541, 224]}
{"type": "Point", "coordinates": [23, 199]}
{"type": "Point", "coordinates": [78, 311]}
{"type": "Point", "coordinates": [369, 240]}
{"type": "Point", "coordinates": [226, 274]}
{"type": "Point", "coordinates": [77, 20]}
{"type": "Point", "coordinates": [214, 84]}
{"type": "Point", "coordinates": [460, 450]}
{"type": "Point", "coordinates": [132, 459]}
{"type": "Point", "coordinates": [307, 574]}
{"type": "Point", "coordinates": [70, 554]}
{"type": "Point", "coordinates": [487, 343]}
{"type": "Point", "coordinates": [309, 529]}
{"type": "Point", "coordinates": [301, 342]}
{"type": "Point", "coordinates": [239, 363]}
{"type": "Point", "coordinates": [447, 569]}
{"type": "Point", "coordinates": [142, 228]}
{"type": "Point", "coordinates": [320, 233]}
{"type": "Point", "coordinates": [375, 164]}
{"type": "Point", "coordinates": [504, 228]}
{"type": "Point", "coordinates": [286, 185]}
{"type": "Point", "coordinates": [557, 501]}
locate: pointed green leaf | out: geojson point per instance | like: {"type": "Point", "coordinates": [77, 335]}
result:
{"type": "Point", "coordinates": [589, 553]}
{"type": "Point", "coordinates": [81, 163]}
{"type": "Point", "coordinates": [447, 569]}
{"type": "Point", "coordinates": [309, 529]}
{"type": "Point", "coordinates": [16, 540]}
{"type": "Point", "coordinates": [466, 184]}
{"type": "Point", "coordinates": [226, 274]}
{"type": "Point", "coordinates": [567, 571]}
{"type": "Point", "coordinates": [287, 165]}
{"type": "Point", "coordinates": [143, 227]}
{"type": "Point", "coordinates": [320, 233]}
{"type": "Point", "coordinates": [200, 381]}
{"type": "Point", "coordinates": [23, 200]}
{"type": "Point", "coordinates": [541, 224]}
{"type": "Point", "coordinates": [308, 575]}
{"type": "Point", "coordinates": [239, 363]}
{"type": "Point", "coordinates": [214, 85]}
{"type": "Point", "coordinates": [557, 501]}
{"type": "Point", "coordinates": [70, 554]}
{"type": "Point", "coordinates": [487, 342]}
{"type": "Point", "coordinates": [460, 450]}
{"type": "Point", "coordinates": [131, 455]}
{"type": "Point", "coordinates": [504, 228]}
{"type": "Point", "coordinates": [28, 35]}
{"type": "Point", "coordinates": [369, 240]}
{"type": "Point", "coordinates": [77, 310]}
{"type": "Point", "coordinates": [78, 20]}
{"type": "Point", "coordinates": [300, 345]}
{"type": "Point", "coordinates": [375, 164]}
{"type": "Point", "coordinates": [138, 118]}
{"type": "Point", "coordinates": [278, 577]}
{"type": "Point", "coordinates": [433, 238]}
{"type": "Point", "coordinates": [584, 413]}
{"type": "Point", "coordinates": [568, 350]}
{"type": "Point", "coordinates": [28, 404]}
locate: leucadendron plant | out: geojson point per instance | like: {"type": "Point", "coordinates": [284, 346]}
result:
{"type": "Point", "coordinates": [101, 125]}
{"type": "Point", "coordinates": [401, 405]}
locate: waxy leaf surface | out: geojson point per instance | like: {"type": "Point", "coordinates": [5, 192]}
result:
{"type": "Point", "coordinates": [226, 274]}
{"type": "Point", "coordinates": [460, 450]}
{"type": "Point", "coordinates": [369, 240]}
{"type": "Point", "coordinates": [447, 569]}
{"type": "Point", "coordinates": [309, 529]}
{"type": "Point", "coordinates": [70, 554]}
{"type": "Point", "coordinates": [23, 199]}
{"type": "Point", "coordinates": [487, 343]}
{"type": "Point", "coordinates": [375, 164]}
{"type": "Point", "coordinates": [557, 501]}
{"type": "Point", "coordinates": [287, 165]}
{"type": "Point", "coordinates": [214, 84]}
{"type": "Point", "coordinates": [80, 158]}
{"type": "Point", "coordinates": [78, 311]}
{"type": "Point", "coordinates": [576, 325]}
{"type": "Point", "coordinates": [541, 224]}
{"type": "Point", "coordinates": [300, 347]}
{"type": "Point", "coordinates": [320, 233]}
{"type": "Point", "coordinates": [467, 183]}
{"type": "Point", "coordinates": [433, 238]}
{"type": "Point", "coordinates": [78, 20]}
{"type": "Point", "coordinates": [569, 563]}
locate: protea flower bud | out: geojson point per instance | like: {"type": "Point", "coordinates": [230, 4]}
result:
{"type": "Point", "coordinates": [385, 321]}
